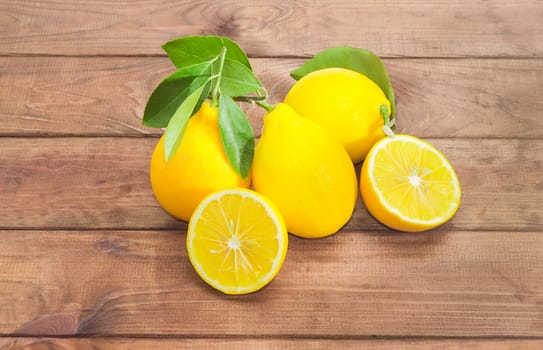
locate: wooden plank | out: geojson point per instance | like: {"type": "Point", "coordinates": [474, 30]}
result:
{"type": "Point", "coordinates": [104, 183]}
{"type": "Point", "coordinates": [392, 28]}
{"type": "Point", "coordinates": [106, 96]}
{"type": "Point", "coordinates": [352, 285]}
{"type": "Point", "coordinates": [286, 344]}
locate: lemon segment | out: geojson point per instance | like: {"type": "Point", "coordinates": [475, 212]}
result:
{"type": "Point", "coordinates": [408, 185]}
{"type": "Point", "coordinates": [237, 241]}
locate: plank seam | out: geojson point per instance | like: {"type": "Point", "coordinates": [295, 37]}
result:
{"type": "Point", "coordinates": [380, 230]}
{"type": "Point", "coordinates": [157, 136]}
{"type": "Point", "coordinates": [278, 57]}
{"type": "Point", "coordinates": [271, 337]}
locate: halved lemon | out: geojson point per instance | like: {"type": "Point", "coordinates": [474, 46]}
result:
{"type": "Point", "coordinates": [237, 241]}
{"type": "Point", "coordinates": [408, 185]}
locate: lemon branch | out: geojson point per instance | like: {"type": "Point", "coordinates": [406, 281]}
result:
{"type": "Point", "coordinates": [250, 99]}
{"type": "Point", "coordinates": [215, 93]}
{"type": "Point", "coordinates": [259, 100]}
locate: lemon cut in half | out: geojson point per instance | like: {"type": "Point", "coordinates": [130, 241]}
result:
{"type": "Point", "coordinates": [237, 241]}
{"type": "Point", "coordinates": [408, 185]}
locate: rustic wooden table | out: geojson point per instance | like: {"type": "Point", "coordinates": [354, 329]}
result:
{"type": "Point", "coordinates": [88, 260]}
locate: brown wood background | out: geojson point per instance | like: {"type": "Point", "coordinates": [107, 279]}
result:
{"type": "Point", "coordinates": [88, 260]}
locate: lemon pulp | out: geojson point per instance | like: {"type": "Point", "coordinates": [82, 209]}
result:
{"type": "Point", "coordinates": [237, 241]}
{"type": "Point", "coordinates": [409, 185]}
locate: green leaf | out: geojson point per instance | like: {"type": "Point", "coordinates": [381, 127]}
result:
{"type": "Point", "coordinates": [172, 91]}
{"type": "Point", "coordinates": [359, 60]}
{"type": "Point", "coordinates": [178, 122]}
{"type": "Point", "coordinates": [203, 96]}
{"type": "Point", "coordinates": [237, 135]}
{"type": "Point", "coordinates": [237, 79]}
{"type": "Point", "coordinates": [189, 50]}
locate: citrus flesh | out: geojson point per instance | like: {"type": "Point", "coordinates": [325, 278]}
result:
{"type": "Point", "coordinates": [345, 103]}
{"type": "Point", "coordinates": [237, 241]}
{"type": "Point", "coordinates": [305, 172]}
{"type": "Point", "coordinates": [198, 167]}
{"type": "Point", "coordinates": [408, 185]}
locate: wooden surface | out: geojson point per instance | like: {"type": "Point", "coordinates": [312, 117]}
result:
{"type": "Point", "coordinates": [220, 344]}
{"type": "Point", "coordinates": [353, 284]}
{"type": "Point", "coordinates": [397, 28]}
{"type": "Point", "coordinates": [476, 98]}
{"type": "Point", "coordinates": [88, 260]}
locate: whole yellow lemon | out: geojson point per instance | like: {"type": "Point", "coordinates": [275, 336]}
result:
{"type": "Point", "coordinates": [198, 167]}
{"type": "Point", "coordinates": [345, 103]}
{"type": "Point", "coordinates": [305, 172]}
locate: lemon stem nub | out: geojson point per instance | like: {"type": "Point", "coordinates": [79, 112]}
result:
{"type": "Point", "coordinates": [388, 123]}
{"type": "Point", "coordinates": [268, 107]}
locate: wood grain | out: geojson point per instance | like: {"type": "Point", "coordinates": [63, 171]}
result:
{"type": "Point", "coordinates": [351, 285]}
{"type": "Point", "coordinates": [281, 28]}
{"type": "Point", "coordinates": [89, 96]}
{"type": "Point", "coordinates": [104, 183]}
{"type": "Point", "coordinates": [88, 260]}
{"type": "Point", "coordinates": [262, 344]}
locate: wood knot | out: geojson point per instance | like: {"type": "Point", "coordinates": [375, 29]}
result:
{"type": "Point", "coordinates": [56, 324]}
{"type": "Point", "coordinates": [228, 28]}
{"type": "Point", "coordinates": [116, 246]}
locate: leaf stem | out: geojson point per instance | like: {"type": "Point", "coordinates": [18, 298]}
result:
{"type": "Point", "coordinates": [215, 93]}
